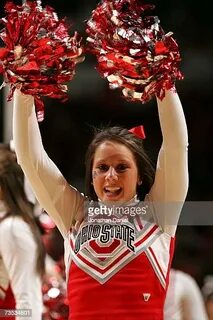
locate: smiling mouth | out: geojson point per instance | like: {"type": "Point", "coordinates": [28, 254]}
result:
{"type": "Point", "coordinates": [112, 191]}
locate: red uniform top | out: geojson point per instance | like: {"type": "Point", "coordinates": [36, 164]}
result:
{"type": "Point", "coordinates": [119, 271]}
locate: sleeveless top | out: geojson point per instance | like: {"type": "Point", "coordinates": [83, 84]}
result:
{"type": "Point", "coordinates": [118, 268]}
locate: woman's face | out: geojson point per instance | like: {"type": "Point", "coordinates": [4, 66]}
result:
{"type": "Point", "coordinates": [114, 172]}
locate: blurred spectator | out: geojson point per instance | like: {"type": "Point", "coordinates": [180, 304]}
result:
{"type": "Point", "coordinates": [184, 300]}
{"type": "Point", "coordinates": [21, 248]}
{"type": "Point", "coordinates": [208, 295]}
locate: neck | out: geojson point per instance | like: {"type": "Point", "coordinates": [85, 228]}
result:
{"type": "Point", "coordinates": [133, 201]}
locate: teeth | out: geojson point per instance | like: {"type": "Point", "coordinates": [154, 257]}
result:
{"type": "Point", "coordinates": [112, 189]}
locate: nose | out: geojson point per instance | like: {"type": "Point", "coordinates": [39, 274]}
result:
{"type": "Point", "coordinates": [111, 174]}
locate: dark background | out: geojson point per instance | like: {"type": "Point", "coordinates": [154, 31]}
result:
{"type": "Point", "coordinates": [67, 128]}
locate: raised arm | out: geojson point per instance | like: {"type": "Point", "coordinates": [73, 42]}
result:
{"type": "Point", "coordinates": [171, 180]}
{"type": "Point", "coordinates": [61, 201]}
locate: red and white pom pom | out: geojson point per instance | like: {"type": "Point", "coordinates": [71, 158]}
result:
{"type": "Point", "coordinates": [39, 56]}
{"type": "Point", "coordinates": [133, 51]}
{"type": "Point", "coordinates": [56, 304]}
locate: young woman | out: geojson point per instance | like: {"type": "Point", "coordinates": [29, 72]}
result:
{"type": "Point", "coordinates": [21, 248]}
{"type": "Point", "coordinates": [116, 269]}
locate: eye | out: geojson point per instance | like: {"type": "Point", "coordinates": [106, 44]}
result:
{"type": "Point", "coordinates": [121, 167]}
{"type": "Point", "coordinates": [103, 167]}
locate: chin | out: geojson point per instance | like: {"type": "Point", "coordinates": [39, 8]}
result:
{"type": "Point", "coordinates": [107, 199]}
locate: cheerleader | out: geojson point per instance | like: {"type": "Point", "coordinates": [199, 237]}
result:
{"type": "Point", "coordinates": [129, 282]}
{"type": "Point", "coordinates": [21, 248]}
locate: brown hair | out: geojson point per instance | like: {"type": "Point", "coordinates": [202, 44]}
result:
{"type": "Point", "coordinates": [134, 144]}
{"type": "Point", "coordinates": [15, 200]}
